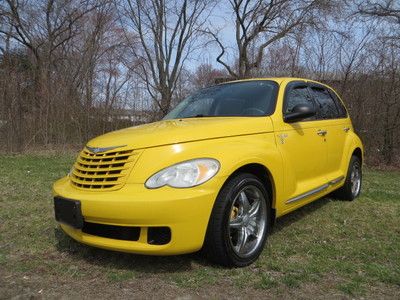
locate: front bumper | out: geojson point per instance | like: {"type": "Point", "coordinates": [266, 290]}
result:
{"type": "Point", "coordinates": [185, 211]}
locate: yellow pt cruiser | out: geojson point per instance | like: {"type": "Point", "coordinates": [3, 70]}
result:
{"type": "Point", "coordinates": [214, 173]}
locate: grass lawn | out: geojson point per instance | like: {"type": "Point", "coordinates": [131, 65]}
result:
{"type": "Point", "coordinates": [328, 249]}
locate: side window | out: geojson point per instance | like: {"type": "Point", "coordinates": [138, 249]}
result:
{"type": "Point", "coordinates": [296, 95]}
{"type": "Point", "coordinates": [325, 103]}
{"type": "Point", "coordinates": [339, 105]}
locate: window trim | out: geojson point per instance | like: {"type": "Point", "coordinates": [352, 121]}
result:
{"type": "Point", "coordinates": [338, 102]}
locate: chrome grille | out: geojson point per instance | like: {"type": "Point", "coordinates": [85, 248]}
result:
{"type": "Point", "coordinates": [106, 170]}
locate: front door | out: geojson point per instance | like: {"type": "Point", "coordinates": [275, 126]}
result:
{"type": "Point", "coordinates": [304, 149]}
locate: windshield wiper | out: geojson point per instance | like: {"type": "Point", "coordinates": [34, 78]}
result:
{"type": "Point", "coordinates": [197, 116]}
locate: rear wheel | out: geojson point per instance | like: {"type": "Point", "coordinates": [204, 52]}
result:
{"type": "Point", "coordinates": [352, 186]}
{"type": "Point", "coordinates": [239, 221]}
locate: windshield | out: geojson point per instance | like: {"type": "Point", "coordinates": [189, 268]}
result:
{"type": "Point", "coordinates": [247, 98]}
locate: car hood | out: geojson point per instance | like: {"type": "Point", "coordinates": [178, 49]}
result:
{"type": "Point", "coordinates": [167, 132]}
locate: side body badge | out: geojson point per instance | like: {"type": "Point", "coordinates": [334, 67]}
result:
{"type": "Point", "coordinates": [282, 137]}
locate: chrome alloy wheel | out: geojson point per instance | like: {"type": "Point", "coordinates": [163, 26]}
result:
{"type": "Point", "coordinates": [355, 179]}
{"type": "Point", "coordinates": [248, 217]}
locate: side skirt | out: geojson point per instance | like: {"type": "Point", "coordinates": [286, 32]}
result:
{"type": "Point", "coordinates": [315, 191]}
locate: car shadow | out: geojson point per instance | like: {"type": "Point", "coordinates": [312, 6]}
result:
{"type": "Point", "coordinates": [127, 261]}
{"type": "Point", "coordinates": [160, 264]}
{"type": "Point", "coordinates": [300, 213]}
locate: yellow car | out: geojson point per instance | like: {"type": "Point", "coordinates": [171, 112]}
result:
{"type": "Point", "coordinates": [214, 173]}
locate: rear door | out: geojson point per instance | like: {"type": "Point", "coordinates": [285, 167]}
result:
{"type": "Point", "coordinates": [333, 119]}
{"type": "Point", "coordinates": [303, 148]}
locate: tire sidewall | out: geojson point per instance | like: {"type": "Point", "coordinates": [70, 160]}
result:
{"type": "Point", "coordinates": [354, 161]}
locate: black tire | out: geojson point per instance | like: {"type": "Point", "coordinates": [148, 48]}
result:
{"type": "Point", "coordinates": [227, 213]}
{"type": "Point", "coordinates": [348, 191]}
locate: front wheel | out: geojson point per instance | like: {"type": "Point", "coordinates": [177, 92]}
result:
{"type": "Point", "coordinates": [352, 186]}
{"type": "Point", "coordinates": [238, 225]}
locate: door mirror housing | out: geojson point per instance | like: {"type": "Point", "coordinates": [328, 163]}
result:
{"type": "Point", "coordinates": [300, 112]}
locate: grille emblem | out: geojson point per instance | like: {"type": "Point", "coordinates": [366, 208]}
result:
{"type": "Point", "coordinates": [99, 150]}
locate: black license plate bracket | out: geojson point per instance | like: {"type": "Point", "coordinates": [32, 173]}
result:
{"type": "Point", "coordinates": [68, 212]}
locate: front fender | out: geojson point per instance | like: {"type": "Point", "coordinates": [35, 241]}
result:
{"type": "Point", "coordinates": [231, 152]}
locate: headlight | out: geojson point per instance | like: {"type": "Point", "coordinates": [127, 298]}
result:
{"type": "Point", "coordinates": [185, 174]}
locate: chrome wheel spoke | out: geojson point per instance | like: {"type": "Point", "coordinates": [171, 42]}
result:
{"type": "Point", "coordinates": [236, 223]}
{"type": "Point", "coordinates": [244, 201]}
{"type": "Point", "coordinates": [252, 229]}
{"type": "Point", "coordinates": [241, 243]}
{"type": "Point", "coordinates": [253, 222]}
{"type": "Point", "coordinates": [255, 207]}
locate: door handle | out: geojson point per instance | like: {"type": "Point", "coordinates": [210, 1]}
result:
{"type": "Point", "coordinates": [322, 132]}
{"type": "Point", "coordinates": [346, 129]}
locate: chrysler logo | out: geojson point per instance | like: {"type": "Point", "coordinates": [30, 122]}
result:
{"type": "Point", "coordinates": [99, 150]}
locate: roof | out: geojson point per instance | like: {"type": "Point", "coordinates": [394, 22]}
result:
{"type": "Point", "coordinates": [279, 80]}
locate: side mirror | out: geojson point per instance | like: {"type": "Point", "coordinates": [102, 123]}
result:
{"type": "Point", "coordinates": [300, 112]}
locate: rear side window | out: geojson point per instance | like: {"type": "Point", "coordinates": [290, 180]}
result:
{"type": "Point", "coordinates": [297, 95]}
{"type": "Point", "coordinates": [326, 106]}
{"type": "Point", "coordinates": [341, 109]}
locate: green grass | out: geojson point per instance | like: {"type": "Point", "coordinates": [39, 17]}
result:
{"type": "Point", "coordinates": [326, 249]}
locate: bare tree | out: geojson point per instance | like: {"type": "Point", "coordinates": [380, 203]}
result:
{"type": "Point", "coordinates": [388, 10]}
{"type": "Point", "coordinates": [67, 62]}
{"type": "Point", "coordinates": [168, 31]}
{"type": "Point", "coordinates": [206, 75]}
{"type": "Point", "coordinates": [259, 24]}
{"type": "Point", "coordinates": [387, 96]}
{"type": "Point", "coordinates": [44, 27]}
